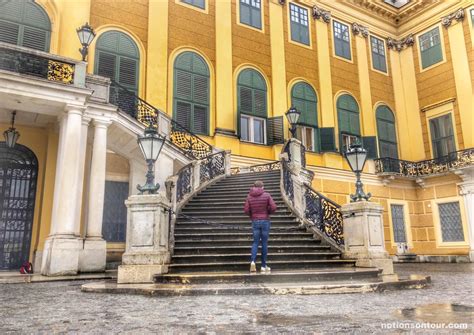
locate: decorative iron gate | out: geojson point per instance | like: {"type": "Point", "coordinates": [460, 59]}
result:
{"type": "Point", "coordinates": [18, 174]}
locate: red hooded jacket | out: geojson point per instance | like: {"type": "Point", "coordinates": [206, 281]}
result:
{"type": "Point", "coordinates": [259, 204]}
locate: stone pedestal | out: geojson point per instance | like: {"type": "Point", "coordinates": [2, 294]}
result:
{"type": "Point", "coordinates": [363, 236]}
{"type": "Point", "coordinates": [93, 255]}
{"type": "Point", "coordinates": [61, 256]}
{"type": "Point", "coordinates": [147, 246]}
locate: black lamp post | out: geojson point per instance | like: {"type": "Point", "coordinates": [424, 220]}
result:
{"type": "Point", "coordinates": [151, 144]}
{"type": "Point", "coordinates": [11, 134]}
{"type": "Point", "coordinates": [86, 35]}
{"type": "Point", "coordinates": [356, 156]}
{"type": "Point", "coordinates": [293, 115]}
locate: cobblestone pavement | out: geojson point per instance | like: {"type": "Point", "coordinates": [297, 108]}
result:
{"type": "Point", "coordinates": [61, 307]}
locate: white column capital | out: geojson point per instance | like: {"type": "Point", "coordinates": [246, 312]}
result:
{"type": "Point", "coordinates": [86, 120]}
{"type": "Point", "coordinates": [99, 123]}
{"type": "Point", "coordinates": [76, 109]}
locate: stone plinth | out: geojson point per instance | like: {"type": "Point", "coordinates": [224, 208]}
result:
{"type": "Point", "coordinates": [147, 246]}
{"type": "Point", "coordinates": [364, 237]}
{"type": "Point", "coordinates": [93, 255]}
{"type": "Point", "coordinates": [61, 256]}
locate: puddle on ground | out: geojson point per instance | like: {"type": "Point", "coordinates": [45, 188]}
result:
{"type": "Point", "coordinates": [281, 320]}
{"type": "Point", "coordinates": [438, 313]}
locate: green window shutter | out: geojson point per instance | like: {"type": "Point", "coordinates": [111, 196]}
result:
{"type": "Point", "coordinates": [442, 136]}
{"type": "Point", "coordinates": [250, 13]}
{"type": "Point", "coordinates": [275, 130]}
{"type": "Point", "coordinates": [299, 24]}
{"type": "Point", "coordinates": [9, 32]}
{"type": "Point", "coordinates": [24, 23]}
{"type": "Point", "coordinates": [252, 90]}
{"type": "Point", "coordinates": [303, 98]}
{"type": "Point", "coordinates": [191, 92]}
{"type": "Point", "coordinates": [327, 139]}
{"type": "Point", "coordinates": [387, 138]}
{"type": "Point", "coordinates": [342, 46]}
{"type": "Point", "coordinates": [118, 59]}
{"type": "Point", "coordinates": [106, 64]}
{"type": "Point", "coordinates": [370, 144]}
{"type": "Point", "coordinates": [348, 115]}
{"type": "Point", "coordinates": [430, 48]}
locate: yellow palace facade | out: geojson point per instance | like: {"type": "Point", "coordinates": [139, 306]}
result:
{"type": "Point", "coordinates": [396, 75]}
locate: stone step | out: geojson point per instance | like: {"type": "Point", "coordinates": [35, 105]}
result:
{"type": "Point", "coordinates": [302, 276]}
{"type": "Point", "coordinates": [245, 265]}
{"type": "Point", "coordinates": [239, 211]}
{"type": "Point", "coordinates": [246, 242]}
{"type": "Point", "coordinates": [188, 216]}
{"type": "Point", "coordinates": [272, 248]}
{"type": "Point", "coordinates": [242, 257]}
{"type": "Point", "coordinates": [233, 197]}
{"type": "Point", "coordinates": [246, 186]}
{"type": "Point", "coordinates": [231, 220]}
{"type": "Point", "coordinates": [214, 235]}
{"type": "Point", "coordinates": [243, 192]}
{"type": "Point", "coordinates": [228, 207]}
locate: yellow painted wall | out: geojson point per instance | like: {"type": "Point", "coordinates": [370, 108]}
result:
{"type": "Point", "coordinates": [419, 202]}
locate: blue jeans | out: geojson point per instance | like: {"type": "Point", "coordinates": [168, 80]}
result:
{"type": "Point", "coordinates": [261, 231]}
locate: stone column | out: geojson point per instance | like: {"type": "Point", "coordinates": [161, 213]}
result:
{"type": "Point", "coordinates": [147, 247]}
{"type": "Point", "coordinates": [466, 189]}
{"type": "Point", "coordinates": [80, 176]}
{"type": "Point", "coordinates": [62, 248]}
{"type": "Point", "coordinates": [94, 253]}
{"type": "Point", "coordinates": [364, 237]}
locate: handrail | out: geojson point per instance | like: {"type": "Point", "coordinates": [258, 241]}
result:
{"type": "Point", "coordinates": [455, 160]}
{"type": "Point", "coordinates": [192, 145]}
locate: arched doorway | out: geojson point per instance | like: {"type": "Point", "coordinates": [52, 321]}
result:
{"type": "Point", "coordinates": [18, 174]}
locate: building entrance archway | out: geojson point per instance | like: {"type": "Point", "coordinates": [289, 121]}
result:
{"type": "Point", "coordinates": [18, 178]}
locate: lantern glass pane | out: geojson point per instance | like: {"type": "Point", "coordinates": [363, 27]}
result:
{"type": "Point", "coordinates": [352, 160]}
{"type": "Point", "coordinates": [146, 144]}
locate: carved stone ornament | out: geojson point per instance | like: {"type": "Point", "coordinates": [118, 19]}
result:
{"type": "Point", "coordinates": [319, 13]}
{"type": "Point", "coordinates": [457, 15]}
{"type": "Point", "coordinates": [282, 2]}
{"type": "Point", "coordinates": [399, 45]}
{"type": "Point", "coordinates": [360, 29]}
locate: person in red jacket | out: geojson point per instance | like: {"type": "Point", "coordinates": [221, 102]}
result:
{"type": "Point", "coordinates": [259, 205]}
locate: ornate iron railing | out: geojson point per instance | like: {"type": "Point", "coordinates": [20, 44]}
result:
{"type": "Point", "coordinates": [287, 181]}
{"type": "Point", "coordinates": [325, 214]}
{"type": "Point", "coordinates": [212, 166]}
{"type": "Point", "coordinates": [272, 166]}
{"type": "Point", "coordinates": [454, 160]}
{"type": "Point", "coordinates": [36, 65]}
{"type": "Point", "coordinates": [183, 184]}
{"type": "Point", "coordinates": [191, 145]}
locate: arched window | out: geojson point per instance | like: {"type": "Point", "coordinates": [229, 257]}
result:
{"type": "Point", "coordinates": [348, 120]}
{"type": "Point", "coordinates": [252, 106]}
{"type": "Point", "coordinates": [386, 132]}
{"type": "Point", "coordinates": [191, 92]}
{"type": "Point", "coordinates": [304, 99]}
{"type": "Point", "coordinates": [117, 57]}
{"type": "Point", "coordinates": [24, 23]}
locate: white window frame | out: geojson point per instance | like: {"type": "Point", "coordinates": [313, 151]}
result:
{"type": "Point", "coordinates": [251, 128]}
{"type": "Point", "coordinates": [262, 17]}
{"type": "Point", "coordinates": [406, 219]}
{"type": "Point", "coordinates": [304, 139]}
{"type": "Point", "coordinates": [290, 40]}
{"type": "Point", "coordinates": [348, 139]}
{"type": "Point", "coordinates": [333, 36]}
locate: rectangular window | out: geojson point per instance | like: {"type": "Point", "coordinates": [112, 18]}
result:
{"type": "Point", "coordinates": [299, 24]}
{"type": "Point", "coordinates": [430, 48]}
{"type": "Point", "coordinates": [472, 16]}
{"type": "Point", "coordinates": [450, 221]}
{"type": "Point", "coordinates": [379, 61]}
{"type": "Point", "coordinates": [342, 44]}
{"type": "Point", "coordinates": [442, 136]}
{"type": "Point", "coordinates": [398, 223]}
{"type": "Point", "coordinates": [306, 136]}
{"type": "Point", "coordinates": [250, 13]}
{"type": "Point", "coordinates": [347, 141]}
{"type": "Point", "coordinates": [252, 129]}
{"type": "Point", "coordinates": [196, 3]}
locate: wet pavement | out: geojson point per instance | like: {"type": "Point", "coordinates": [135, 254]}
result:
{"type": "Point", "coordinates": [61, 307]}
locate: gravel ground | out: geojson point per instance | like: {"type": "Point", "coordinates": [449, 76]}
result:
{"type": "Point", "coordinates": [61, 307]}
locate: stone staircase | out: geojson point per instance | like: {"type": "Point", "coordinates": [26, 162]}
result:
{"type": "Point", "coordinates": [204, 253]}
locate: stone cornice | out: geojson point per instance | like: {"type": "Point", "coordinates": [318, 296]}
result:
{"type": "Point", "coordinates": [319, 13]}
{"type": "Point", "coordinates": [398, 45]}
{"type": "Point", "coordinates": [360, 29]}
{"type": "Point", "coordinates": [457, 15]}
